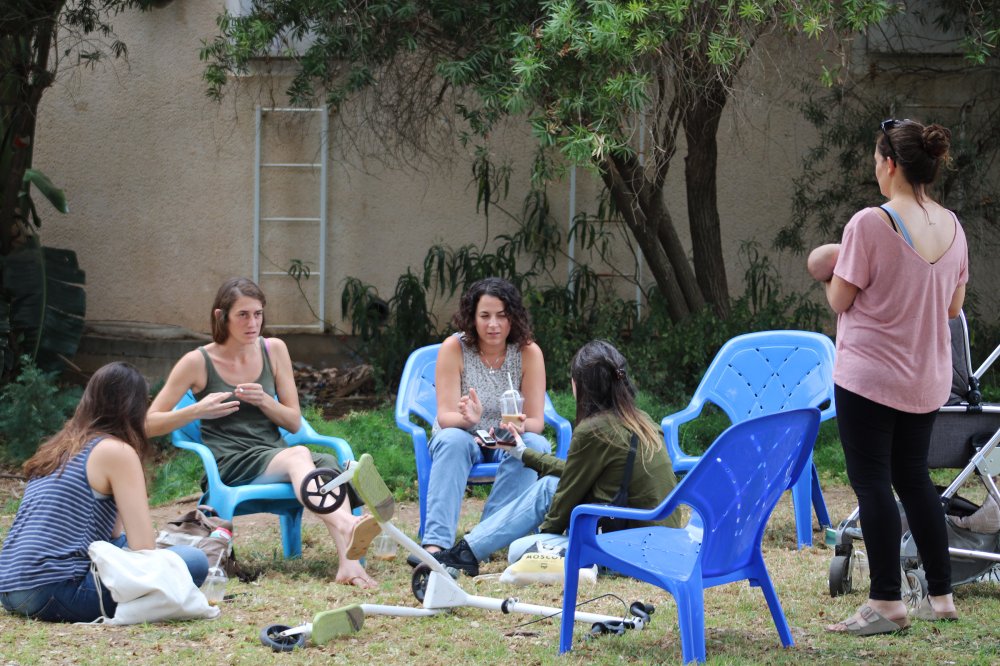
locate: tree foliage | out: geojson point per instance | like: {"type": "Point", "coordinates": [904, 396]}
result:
{"type": "Point", "coordinates": [946, 87]}
{"type": "Point", "coordinates": [582, 73]}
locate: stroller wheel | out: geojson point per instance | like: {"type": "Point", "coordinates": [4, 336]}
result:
{"type": "Point", "coordinates": [271, 637]}
{"type": "Point", "coordinates": [840, 575]}
{"type": "Point", "coordinates": [914, 587]}
{"type": "Point", "coordinates": [418, 582]}
{"type": "Point", "coordinates": [320, 502]}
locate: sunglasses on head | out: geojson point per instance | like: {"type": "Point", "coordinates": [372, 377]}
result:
{"type": "Point", "coordinates": [887, 125]}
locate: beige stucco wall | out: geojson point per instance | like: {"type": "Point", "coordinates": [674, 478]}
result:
{"type": "Point", "coordinates": [160, 183]}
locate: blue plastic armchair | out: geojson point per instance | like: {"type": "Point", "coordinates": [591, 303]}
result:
{"type": "Point", "coordinates": [764, 373]}
{"type": "Point", "coordinates": [417, 397]}
{"type": "Point", "coordinates": [733, 489]}
{"type": "Point", "coordinates": [277, 498]}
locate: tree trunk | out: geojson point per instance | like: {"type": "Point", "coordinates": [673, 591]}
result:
{"type": "Point", "coordinates": [624, 181]}
{"type": "Point", "coordinates": [701, 125]}
{"type": "Point", "coordinates": [666, 233]}
{"type": "Point", "coordinates": [27, 79]}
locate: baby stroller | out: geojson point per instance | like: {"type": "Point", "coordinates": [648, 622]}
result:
{"type": "Point", "coordinates": [966, 435]}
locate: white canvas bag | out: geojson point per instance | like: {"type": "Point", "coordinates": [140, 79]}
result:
{"type": "Point", "coordinates": [149, 585]}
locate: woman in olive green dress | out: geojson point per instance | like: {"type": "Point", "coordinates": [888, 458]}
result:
{"type": "Point", "coordinates": [235, 380]}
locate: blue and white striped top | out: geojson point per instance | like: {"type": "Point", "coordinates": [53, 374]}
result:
{"type": "Point", "coordinates": [58, 518]}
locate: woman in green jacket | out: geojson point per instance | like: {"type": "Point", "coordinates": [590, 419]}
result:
{"type": "Point", "coordinates": [606, 420]}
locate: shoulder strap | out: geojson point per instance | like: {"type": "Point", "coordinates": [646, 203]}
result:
{"type": "Point", "coordinates": [898, 221]}
{"type": "Point", "coordinates": [621, 499]}
{"type": "Point", "coordinates": [268, 366]}
{"type": "Point", "coordinates": [210, 375]}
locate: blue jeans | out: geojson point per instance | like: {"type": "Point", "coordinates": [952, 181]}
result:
{"type": "Point", "coordinates": [515, 522]}
{"type": "Point", "coordinates": [78, 600]}
{"type": "Point", "coordinates": [453, 453]}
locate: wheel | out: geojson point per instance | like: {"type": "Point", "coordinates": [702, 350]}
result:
{"type": "Point", "coordinates": [616, 627]}
{"type": "Point", "coordinates": [641, 611]}
{"type": "Point", "coordinates": [840, 575]}
{"type": "Point", "coordinates": [859, 573]}
{"type": "Point", "coordinates": [418, 582]}
{"type": "Point", "coordinates": [314, 499]}
{"type": "Point", "coordinates": [271, 637]}
{"type": "Point", "coordinates": [914, 587]}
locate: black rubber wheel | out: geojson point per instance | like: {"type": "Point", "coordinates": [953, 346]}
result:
{"type": "Point", "coordinates": [320, 502]}
{"type": "Point", "coordinates": [914, 587]}
{"type": "Point", "coordinates": [418, 581]}
{"type": "Point", "coordinates": [270, 637]}
{"type": "Point", "coordinates": [598, 628]}
{"type": "Point", "coordinates": [641, 610]}
{"type": "Point", "coordinates": [840, 575]}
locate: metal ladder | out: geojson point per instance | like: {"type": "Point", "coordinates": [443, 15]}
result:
{"type": "Point", "coordinates": [316, 277]}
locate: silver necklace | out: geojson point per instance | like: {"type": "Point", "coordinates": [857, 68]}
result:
{"type": "Point", "coordinates": [493, 367]}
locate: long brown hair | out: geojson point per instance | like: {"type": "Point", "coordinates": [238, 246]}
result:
{"type": "Point", "coordinates": [603, 385]}
{"type": "Point", "coordinates": [114, 404]}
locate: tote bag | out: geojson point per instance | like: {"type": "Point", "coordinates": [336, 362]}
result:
{"type": "Point", "coordinates": [149, 585]}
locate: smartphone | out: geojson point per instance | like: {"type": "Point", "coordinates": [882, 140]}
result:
{"type": "Point", "coordinates": [486, 438]}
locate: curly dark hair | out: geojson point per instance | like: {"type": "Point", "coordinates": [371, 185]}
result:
{"type": "Point", "coordinates": [465, 319]}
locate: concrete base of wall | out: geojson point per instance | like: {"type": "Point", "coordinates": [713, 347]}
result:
{"type": "Point", "coordinates": [154, 348]}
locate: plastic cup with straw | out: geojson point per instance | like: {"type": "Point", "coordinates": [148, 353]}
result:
{"type": "Point", "coordinates": [511, 404]}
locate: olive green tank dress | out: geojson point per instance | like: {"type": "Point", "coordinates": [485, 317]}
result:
{"type": "Point", "coordinates": [246, 441]}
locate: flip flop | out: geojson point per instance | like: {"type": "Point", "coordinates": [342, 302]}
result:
{"type": "Point", "coordinates": [926, 612]}
{"type": "Point", "coordinates": [336, 623]}
{"type": "Point", "coordinates": [874, 624]}
{"type": "Point", "coordinates": [365, 530]}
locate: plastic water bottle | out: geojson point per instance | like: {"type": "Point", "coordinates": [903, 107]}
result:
{"type": "Point", "coordinates": [214, 587]}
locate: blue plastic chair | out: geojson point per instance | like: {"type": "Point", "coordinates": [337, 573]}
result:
{"type": "Point", "coordinates": [277, 498]}
{"type": "Point", "coordinates": [417, 397]}
{"type": "Point", "coordinates": [764, 373]}
{"type": "Point", "coordinates": [733, 490]}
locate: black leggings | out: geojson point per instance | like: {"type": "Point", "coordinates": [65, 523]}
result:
{"type": "Point", "coordinates": [884, 449]}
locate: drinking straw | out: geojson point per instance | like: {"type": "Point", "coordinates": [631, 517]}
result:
{"type": "Point", "coordinates": [510, 380]}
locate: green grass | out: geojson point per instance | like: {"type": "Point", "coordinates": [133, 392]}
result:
{"type": "Point", "coordinates": [738, 625]}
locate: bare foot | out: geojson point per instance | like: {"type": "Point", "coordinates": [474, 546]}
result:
{"type": "Point", "coordinates": [351, 572]}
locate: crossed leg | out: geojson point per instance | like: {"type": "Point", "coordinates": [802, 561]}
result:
{"type": "Point", "coordinates": [293, 464]}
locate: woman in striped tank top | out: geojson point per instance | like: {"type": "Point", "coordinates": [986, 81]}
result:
{"type": "Point", "coordinates": [85, 484]}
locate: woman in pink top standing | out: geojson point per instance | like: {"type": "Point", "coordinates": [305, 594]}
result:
{"type": "Point", "coordinates": [900, 275]}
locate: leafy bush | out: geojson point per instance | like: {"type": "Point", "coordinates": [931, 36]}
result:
{"type": "Point", "coordinates": [667, 358]}
{"type": "Point", "coordinates": [32, 408]}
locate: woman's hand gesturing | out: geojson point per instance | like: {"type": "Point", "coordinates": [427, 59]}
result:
{"type": "Point", "coordinates": [470, 408]}
{"type": "Point", "coordinates": [252, 394]}
{"type": "Point", "coordinates": [214, 406]}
